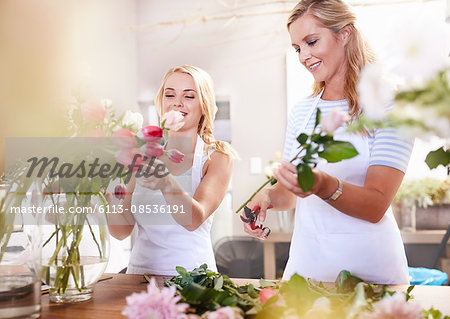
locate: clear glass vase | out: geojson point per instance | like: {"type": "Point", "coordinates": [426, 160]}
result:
{"type": "Point", "coordinates": [20, 250]}
{"type": "Point", "coordinates": [76, 246]}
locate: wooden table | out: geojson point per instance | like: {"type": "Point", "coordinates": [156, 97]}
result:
{"type": "Point", "coordinates": [417, 237]}
{"type": "Point", "coordinates": [109, 298]}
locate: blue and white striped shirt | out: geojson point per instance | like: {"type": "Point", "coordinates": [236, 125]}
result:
{"type": "Point", "coordinates": [386, 147]}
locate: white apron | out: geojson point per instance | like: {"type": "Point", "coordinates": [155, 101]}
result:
{"type": "Point", "coordinates": [326, 241]}
{"type": "Point", "coordinates": [160, 248]}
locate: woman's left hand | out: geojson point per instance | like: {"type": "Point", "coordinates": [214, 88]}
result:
{"type": "Point", "coordinates": [287, 176]}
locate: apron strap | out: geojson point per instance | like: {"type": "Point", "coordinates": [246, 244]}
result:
{"type": "Point", "coordinates": [307, 118]}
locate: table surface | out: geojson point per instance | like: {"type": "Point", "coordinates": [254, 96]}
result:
{"type": "Point", "coordinates": [109, 298]}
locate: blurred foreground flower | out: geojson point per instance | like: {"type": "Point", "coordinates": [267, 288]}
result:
{"type": "Point", "coordinates": [155, 303]}
{"type": "Point", "coordinates": [394, 307]}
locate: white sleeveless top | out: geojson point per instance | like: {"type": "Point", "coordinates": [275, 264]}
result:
{"type": "Point", "coordinates": [160, 248]}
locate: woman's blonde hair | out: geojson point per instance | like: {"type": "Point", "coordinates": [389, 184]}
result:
{"type": "Point", "coordinates": [335, 15]}
{"type": "Point", "coordinates": [205, 89]}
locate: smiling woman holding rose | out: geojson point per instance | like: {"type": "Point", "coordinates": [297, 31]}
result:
{"type": "Point", "coordinates": [197, 182]}
{"type": "Point", "coordinates": [345, 220]}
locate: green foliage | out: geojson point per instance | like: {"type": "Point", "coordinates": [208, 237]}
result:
{"type": "Point", "coordinates": [438, 157]}
{"type": "Point", "coordinates": [206, 290]}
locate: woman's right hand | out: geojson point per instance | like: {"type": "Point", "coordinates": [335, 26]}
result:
{"type": "Point", "coordinates": [260, 202]}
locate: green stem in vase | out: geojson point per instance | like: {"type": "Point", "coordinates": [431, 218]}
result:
{"type": "Point", "coordinates": [95, 239]}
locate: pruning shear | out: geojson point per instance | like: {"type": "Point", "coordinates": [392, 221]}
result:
{"type": "Point", "coordinates": [251, 217]}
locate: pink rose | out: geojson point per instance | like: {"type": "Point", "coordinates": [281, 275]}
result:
{"type": "Point", "coordinates": [95, 133]}
{"type": "Point", "coordinates": [153, 150]}
{"type": "Point", "coordinates": [124, 139]}
{"type": "Point", "coordinates": [175, 156]}
{"type": "Point", "coordinates": [225, 313]}
{"type": "Point", "coordinates": [268, 293]}
{"type": "Point", "coordinates": [173, 120]}
{"type": "Point", "coordinates": [333, 120]}
{"type": "Point", "coordinates": [120, 191]}
{"type": "Point", "coordinates": [93, 112]}
{"type": "Point", "coordinates": [150, 133]}
{"type": "Point", "coordinates": [126, 156]}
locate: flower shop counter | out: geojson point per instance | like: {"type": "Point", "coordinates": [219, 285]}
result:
{"type": "Point", "coordinates": [109, 298]}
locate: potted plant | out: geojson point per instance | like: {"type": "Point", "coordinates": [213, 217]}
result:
{"type": "Point", "coordinates": [428, 200]}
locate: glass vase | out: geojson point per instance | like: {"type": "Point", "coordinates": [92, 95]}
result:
{"type": "Point", "coordinates": [75, 248]}
{"type": "Point", "coordinates": [20, 250]}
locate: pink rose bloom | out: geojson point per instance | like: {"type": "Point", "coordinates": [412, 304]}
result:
{"type": "Point", "coordinates": [225, 313]}
{"type": "Point", "coordinates": [175, 156]}
{"type": "Point", "coordinates": [150, 133]}
{"type": "Point", "coordinates": [153, 150]}
{"type": "Point", "coordinates": [394, 307]}
{"type": "Point", "coordinates": [333, 120]}
{"type": "Point", "coordinates": [172, 120]}
{"type": "Point", "coordinates": [125, 157]}
{"type": "Point", "coordinates": [120, 191]}
{"type": "Point", "coordinates": [95, 133]}
{"type": "Point", "coordinates": [155, 303]}
{"type": "Point", "coordinates": [93, 112]}
{"type": "Point", "coordinates": [124, 139]}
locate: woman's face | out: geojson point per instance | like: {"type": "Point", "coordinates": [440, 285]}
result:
{"type": "Point", "coordinates": [320, 50]}
{"type": "Point", "coordinates": [180, 94]}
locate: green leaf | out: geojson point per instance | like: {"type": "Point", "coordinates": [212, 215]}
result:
{"type": "Point", "coordinates": [346, 282]}
{"type": "Point", "coordinates": [318, 116]}
{"type": "Point", "coordinates": [324, 138]}
{"type": "Point", "coordinates": [302, 138]}
{"type": "Point", "coordinates": [251, 291]}
{"type": "Point", "coordinates": [335, 151]}
{"type": "Point", "coordinates": [265, 283]}
{"type": "Point", "coordinates": [305, 177]}
{"type": "Point", "coordinates": [218, 283]}
{"type": "Point", "coordinates": [408, 292]}
{"type": "Point", "coordinates": [181, 270]}
{"type": "Point", "coordinates": [438, 157]}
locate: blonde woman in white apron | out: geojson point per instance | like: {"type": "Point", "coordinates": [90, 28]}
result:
{"type": "Point", "coordinates": [345, 221]}
{"type": "Point", "coordinates": [199, 183]}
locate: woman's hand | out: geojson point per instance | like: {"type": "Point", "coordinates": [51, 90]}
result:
{"type": "Point", "coordinates": [260, 202]}
{"type": "Point", "coordinates": [158, 176]}
{"type": "Point", "coordinates": [287, 176]}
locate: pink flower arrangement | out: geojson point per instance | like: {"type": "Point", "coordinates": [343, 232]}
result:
{"type": "Point", "coordinates": [394, 307]}
{"type": "Point", "coordinates": [333, 120]}
{"type": "Point", "coordinates": [172, 120]}
{"type": "Point", "coordinates": [155, 303]}
{"type": "Point", "coordinates": [175, 156]}
{"type": "Point", "coordinates": [93, 112]}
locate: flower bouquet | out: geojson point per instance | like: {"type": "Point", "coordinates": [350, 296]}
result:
{"type": "Point", "coordinates": [205, 294]}
{"type": "Point", "coordinates": [75, 174]}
